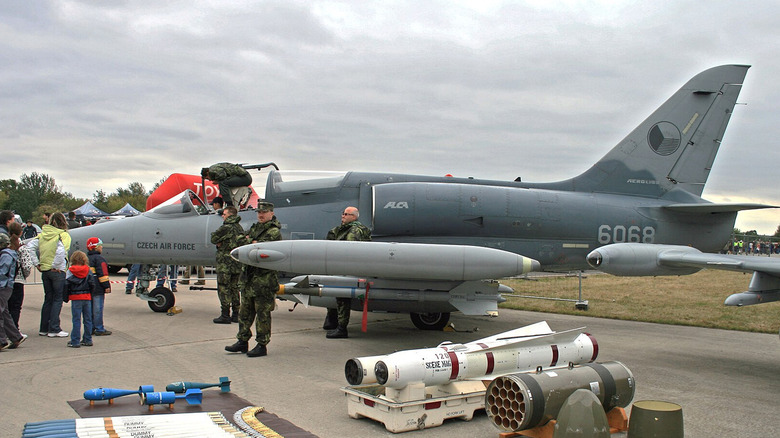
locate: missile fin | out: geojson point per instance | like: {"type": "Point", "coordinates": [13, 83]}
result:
{"type": "Point", "coordinates": [541, 339]}
{"type": "Point", "coordinates": [303, 283]}
{"type": "Point", "coordinates": [303, 299]}
{"type": "Point", "coordinates": [535, 329]}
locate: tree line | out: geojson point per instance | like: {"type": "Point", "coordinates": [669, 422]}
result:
{"type": "Point", "coordinates": [37, 193]}
{"type": "Point", "coordinates": [32, 195]}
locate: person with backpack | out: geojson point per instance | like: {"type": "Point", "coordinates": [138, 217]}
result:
{"type": "Point", "coordinates": [10, 336]}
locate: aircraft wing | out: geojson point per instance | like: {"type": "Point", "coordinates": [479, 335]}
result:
{"type": "Point", "coordinates": [725, 262]}
{"type": "Point", "coordinates": [642, 259]}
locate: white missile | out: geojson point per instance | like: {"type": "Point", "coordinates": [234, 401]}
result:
{"type": "Point", "coordinates": [519, 350]}
{"type": "Point", "coordinates": [478, 297]}
{"type": "Point", "coordinates": [385, 260]}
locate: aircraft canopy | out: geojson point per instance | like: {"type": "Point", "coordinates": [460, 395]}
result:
{"type": "Point", "coordinates": [186, 203]}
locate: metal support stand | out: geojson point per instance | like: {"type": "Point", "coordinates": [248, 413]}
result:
{"type": "Point", "coordinates": [580, 304]}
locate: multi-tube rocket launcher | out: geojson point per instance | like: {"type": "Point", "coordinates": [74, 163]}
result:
{"type": "Point", "coordinates": [522, 349]}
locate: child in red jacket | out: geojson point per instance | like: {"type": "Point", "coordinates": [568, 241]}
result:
{"type": "Point", "coordinates": [79, 285]}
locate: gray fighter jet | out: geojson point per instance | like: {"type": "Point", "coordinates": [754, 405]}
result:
{"type": "Point", "coordinates": [647, 189]}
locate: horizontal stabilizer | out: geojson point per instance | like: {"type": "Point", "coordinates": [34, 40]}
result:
{"type": "Point", "coordinates": [714, 208]}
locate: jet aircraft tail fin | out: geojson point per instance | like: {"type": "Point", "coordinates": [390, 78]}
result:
{"type": "Point", "coordinates": [674, 148]}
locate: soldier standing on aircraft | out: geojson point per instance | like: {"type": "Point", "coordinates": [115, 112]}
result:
{"type": "Point", "coordinates": [350, 229]}
{"type": "Point", "coordinates": [228, 237]}
{"type": "Point", "coordinates": [227, 176]}
{"type": "Point", "coordinates": [259, 291]}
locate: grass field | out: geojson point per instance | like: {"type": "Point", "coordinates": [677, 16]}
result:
{"type": "Point", "coordinates": [695, 300]}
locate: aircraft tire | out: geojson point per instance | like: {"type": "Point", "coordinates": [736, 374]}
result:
{"type": "Point", "coordinates": [164, 299]}
{"type": "Point", "coordinates": [430, 321]}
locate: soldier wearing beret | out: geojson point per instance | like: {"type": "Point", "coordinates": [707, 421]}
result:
{"type": "Point", "coordinates": [259, 291]}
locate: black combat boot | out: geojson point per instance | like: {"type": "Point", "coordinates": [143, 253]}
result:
{"type": "Point", "coordinates": [224, 318]}
{"type": "Point", "coordinates": [234, 318]}
{"type": "Point", "coordinates": [339, 333]}
{"type": "Point", "coordinates": [331, 320]}
{"type": "Point", "coordinates": [238, 347]}
{"type": "Point", "coordinates": [258, 351]}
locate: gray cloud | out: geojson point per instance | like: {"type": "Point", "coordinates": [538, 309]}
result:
{"type": "Point", "coordinates": [485, 89]}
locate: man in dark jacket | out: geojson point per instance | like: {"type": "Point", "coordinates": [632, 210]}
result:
{"type": "Point", "coordinates": [29, 231]}
{"type": "Point", "coordinates": [99, 268]}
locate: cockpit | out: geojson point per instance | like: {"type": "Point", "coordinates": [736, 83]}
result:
{"type": "Point", "coordinates": [186, 203]}
{"type": "Point", "coordinates": [303, 181]}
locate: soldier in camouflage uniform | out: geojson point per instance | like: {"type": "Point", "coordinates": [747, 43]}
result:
{"type": "Point", "coordinates": [227, 237]}
{"type": "Point", "coordinates": [227, 175]}
{"type": "Point", "coordinates": [350, 229]}
{"type": "Point", "coordinates": [260, 287]}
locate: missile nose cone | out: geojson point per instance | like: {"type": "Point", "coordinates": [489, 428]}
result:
{"type": "Point", "coordinates": [536, 266]}
{"type": "Point", "coordinates": [93, 394]}
{"type": "Point", "coordinates": [595, 259]}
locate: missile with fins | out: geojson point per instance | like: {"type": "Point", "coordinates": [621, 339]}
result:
{"type": "Point", "coordinates": [477, 297]}
{"type": "Point", "coordinates": [191, 396]}
{"type": "Point", "coordinates": [522, 349]}
{"type": "Point", "coordinates": [181, 387]}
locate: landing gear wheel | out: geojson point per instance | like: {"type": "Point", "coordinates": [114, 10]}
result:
{"type": "Point", "coordinates": [164, 299]}
{"type": "Point", "coordinates": [430, 321]}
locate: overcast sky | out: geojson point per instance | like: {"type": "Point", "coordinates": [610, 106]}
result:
{"type": "Point", "coordinates": [99, 94]}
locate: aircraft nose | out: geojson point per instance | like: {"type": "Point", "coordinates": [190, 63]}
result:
{"type": "Point", "coordinates": [595, 259]}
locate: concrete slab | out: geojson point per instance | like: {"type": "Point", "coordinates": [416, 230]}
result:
{"type": "Point", "coordinates": [727, 382]}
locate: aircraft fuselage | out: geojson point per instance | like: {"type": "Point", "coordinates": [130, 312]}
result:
{"type": "Point", "coordinates": [557, 228]}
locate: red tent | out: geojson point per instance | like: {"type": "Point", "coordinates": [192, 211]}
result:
{"type": "Point", "coordinates": [179, 182]}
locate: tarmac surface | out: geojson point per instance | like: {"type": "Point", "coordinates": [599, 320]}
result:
{"type": "Point", "coordinates": [727, 382]}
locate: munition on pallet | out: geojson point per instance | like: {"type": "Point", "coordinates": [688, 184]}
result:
{"type": "Point", "coordinates": [522, 349]}
{"type": "Point", "coordinates": [181, 387]}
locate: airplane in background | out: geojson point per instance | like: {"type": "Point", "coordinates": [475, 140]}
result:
{"type": "Point", "coordinates": [646, 190]}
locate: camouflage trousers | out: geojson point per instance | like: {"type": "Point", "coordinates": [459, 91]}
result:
{"type": "Point", "coordinates": [228, 291]}
{"type": "Point", "coordinates": [256, 309]}
{"type": "Point", "coordinates": [343, 310]}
